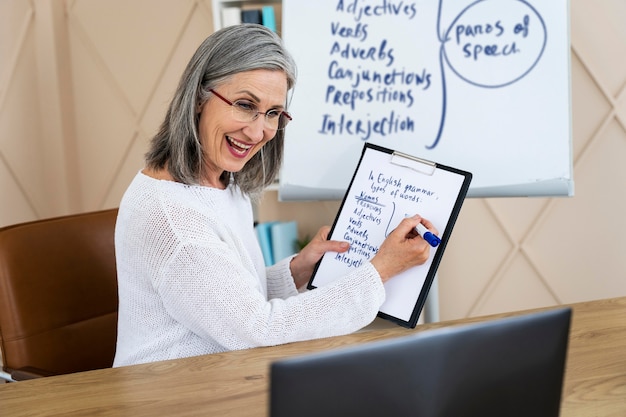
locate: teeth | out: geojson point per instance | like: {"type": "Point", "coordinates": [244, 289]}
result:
{"type": "Point", "coordinates": [239, 144]}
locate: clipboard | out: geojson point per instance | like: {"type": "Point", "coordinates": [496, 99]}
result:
{"type": "Point", "coordinates": [386, 187]}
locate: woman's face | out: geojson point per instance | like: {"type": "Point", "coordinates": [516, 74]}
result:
{"type": "Point", "coordinates": [227, 143]}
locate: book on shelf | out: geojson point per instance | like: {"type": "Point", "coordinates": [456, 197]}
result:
{"type": "Point", "coordinates": [231, 16]}
{"type": "Point", "coordinates": [268, 17]}
{"type": "Point", "coordinates": [265, 15]}
{"type": "Point", "coordinates": [252, 16]}
{"type": "Point", "coordinates": [278, 240]}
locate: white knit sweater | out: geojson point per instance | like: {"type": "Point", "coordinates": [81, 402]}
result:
{"type": "Point", "coordinates": [192, 280]}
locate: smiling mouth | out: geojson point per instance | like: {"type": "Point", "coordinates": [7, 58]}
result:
{"type": "Point", "coordinates": [240, 148]}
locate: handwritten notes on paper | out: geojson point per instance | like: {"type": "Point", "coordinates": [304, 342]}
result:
{"type": "Point", "coordinates": [455, 81]}
{"type": "Point", "coordinates": [384, 190]}
{"type": "Point", "coordinates": [375, 207]}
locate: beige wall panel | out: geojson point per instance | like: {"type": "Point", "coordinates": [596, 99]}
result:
{"type": "Point", "coordinates": [14, 206]}
{"type": "Point", "coordinates": [17, 18]}
{"type": "Point", "coordinates": [463, 274]}
{"type": "Point", "coordinates": [20, 133]}
{"type": "Point", "coordinates": [589, 107]}
{"type": "Point", "coordinates": [571, 247]}
{"type": "Point", "coordinates": [21, 179]}
{"type": "Point", "coordinates": [518, 288]}
{"type": "Point", "coordinates": [134, 44]}
{"type": "Point", "coordinates": [620, 109]}
{"type": "Point", "coordinates": [517, 215]}
{"type": "Point", "coordinates": [104, 124]}
{"type": "Point", "coordinates": [598, 31]}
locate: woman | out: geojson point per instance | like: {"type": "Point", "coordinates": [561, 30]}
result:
{"type": "Point", "coordinates": [191, 275]}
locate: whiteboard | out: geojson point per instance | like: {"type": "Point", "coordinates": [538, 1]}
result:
{"type": "Point", "coordinates": [483, 86]}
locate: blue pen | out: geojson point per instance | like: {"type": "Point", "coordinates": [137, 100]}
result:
{"type": "Point", "coordinates": [428, 236]}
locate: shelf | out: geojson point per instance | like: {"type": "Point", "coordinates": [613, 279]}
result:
{"type": "Point", "coordinates": [220, 5]}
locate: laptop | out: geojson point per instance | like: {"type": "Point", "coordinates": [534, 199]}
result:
{"type": "Point", "coordinates": [511, 367]}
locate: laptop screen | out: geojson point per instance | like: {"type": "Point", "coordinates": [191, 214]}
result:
{"type": "Point", "coordinates": [511, 367]}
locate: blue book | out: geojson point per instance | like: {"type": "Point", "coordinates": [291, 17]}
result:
{"type": "Point", "coordinates": [269, 19]}
{"type": "Point", "coordinates": [284, 239]}
{"type": "Point", "coordinates": [263, 234]}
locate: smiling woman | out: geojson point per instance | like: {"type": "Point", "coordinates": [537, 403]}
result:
{"type": "Point", "coordinates": [227, 54]}
{"type": "Point", "coordinates": [191, 276]}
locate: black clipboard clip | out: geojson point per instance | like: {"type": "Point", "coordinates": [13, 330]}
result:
{"type": "Point", "coordinates": [416, 164]}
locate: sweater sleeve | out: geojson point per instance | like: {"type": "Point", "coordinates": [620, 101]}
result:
{"type": "Point", "coordinates": [280, 282]}
{"type": "Point", "coordinates": [206, 288]}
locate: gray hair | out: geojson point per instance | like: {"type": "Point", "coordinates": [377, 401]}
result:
{"type": "Point", "coordinates": [228, 51]}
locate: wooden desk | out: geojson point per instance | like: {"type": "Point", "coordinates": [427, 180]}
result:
{"type": "Point", "coordinates": [236, 383]}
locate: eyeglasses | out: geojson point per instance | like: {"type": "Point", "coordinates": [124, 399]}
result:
{"type": "Point", "coordinates": [246, 111]}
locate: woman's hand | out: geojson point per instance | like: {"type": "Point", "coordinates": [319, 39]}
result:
{"type": "Point", "coordinates": [303, 263]}
{"type": "Point", "coordinates": [404, 248]}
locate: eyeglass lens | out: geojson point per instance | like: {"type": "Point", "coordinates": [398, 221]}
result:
{"type": "Point", "coordinates": [248, 112]}
{"type": "Point", "coordinates": [245, 111]}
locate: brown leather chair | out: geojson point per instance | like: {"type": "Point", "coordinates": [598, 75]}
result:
{"type": "Point", "coordinates": [58, 295]}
